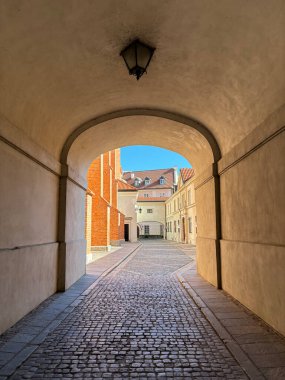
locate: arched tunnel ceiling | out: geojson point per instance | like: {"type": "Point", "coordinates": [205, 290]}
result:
{"type": "Point", "coordinates": [139, 130]}
{"type": "Point", "coordinates": [219, 62]}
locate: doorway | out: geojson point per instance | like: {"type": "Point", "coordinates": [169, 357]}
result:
{"type": "Point", "coordinates": [126, 232]}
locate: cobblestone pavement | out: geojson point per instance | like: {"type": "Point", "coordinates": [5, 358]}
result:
{"type": "Point", "coordinates": [137, 322]}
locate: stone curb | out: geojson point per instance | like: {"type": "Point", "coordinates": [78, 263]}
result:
{"type": "Point", "coordinates": [240, 356]}
{"type": "Point", "coordinates": [14, 352]}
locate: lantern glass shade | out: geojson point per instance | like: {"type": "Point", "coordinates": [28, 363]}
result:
{"type": "Point", "coordinates": [137, 57]}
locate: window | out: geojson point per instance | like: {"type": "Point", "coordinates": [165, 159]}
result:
{"type": "Point", "coordinates": [189, 197]}
{"type": "Point", "coordinates": [149, 210]}
{"type": "Point", "coordinates": [145, 195]}
{"type": "Point", "coordinates": [146, 230]}
{"type": "Point", "coordinates": [161, 180]}
{"type": "Point", "coordinates": [170, 226]}
{"type": "Point", "coordinates": [162, 194]}
{"type": "Point", "coordinates": [190, 225]}
{"type": "Point", "coordinates": [174, 225]}
{"type": "Point", "coordinates": [137, 181]}
{"type": "Point", "coordinates": [147, 181]}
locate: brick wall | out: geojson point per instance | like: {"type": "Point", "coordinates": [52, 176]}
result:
{"type": "Point", "coordinates": [114, 224]}
{"type": "Point", "coordinates": [102, 171]}
{"type": "Point", "coordinates": [93, 176]}
{"type": "Point", "coordinates": [99, 235]}
{"type": "Point", "coordinates": [114, 190]}
{"type": "Point", "coordinates": [106, 176]}
{"type": "Point", "coordinates": [88, 220]}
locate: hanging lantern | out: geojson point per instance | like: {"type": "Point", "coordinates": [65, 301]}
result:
{"type": "Point", "coordinates": [137, 57]}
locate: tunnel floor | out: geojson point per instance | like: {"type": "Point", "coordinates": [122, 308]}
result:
{"type": "Point", "coordinates": [137, 322]}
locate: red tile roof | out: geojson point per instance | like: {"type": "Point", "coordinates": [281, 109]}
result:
{"type": "Point", "coordinates": [152, 199]}
{"type": "Point", "coordinates": [186, 174]}
{"type": "Point", "coordinates": [123, 186]}
{"type": "Point", "coordinates": [154, 175]}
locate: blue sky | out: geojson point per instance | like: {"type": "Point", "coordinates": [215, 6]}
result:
{"type": "Point", "coordinates": [143, 157]}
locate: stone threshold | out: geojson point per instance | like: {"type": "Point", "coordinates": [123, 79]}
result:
{"type": "Point", "coordinates": [22, 339]}
{"type": "Point", "coordinates": [258, 349]}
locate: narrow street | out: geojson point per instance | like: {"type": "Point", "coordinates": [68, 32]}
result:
{"type": "Point", "coordinates": [137, 322]}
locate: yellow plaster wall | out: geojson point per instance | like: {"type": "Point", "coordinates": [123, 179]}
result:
{"type": "Point", "coordinates": [206, 259]}
{"type": "Point", "coordinates": [28, 234]}
{"type": "Point", "coordinates": [254, 275]}
{"type": "Point", "coordinates": [253, 227]}
{"type": "Point", "coordinates": [206, 231]}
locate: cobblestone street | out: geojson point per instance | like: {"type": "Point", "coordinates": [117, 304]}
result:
{"type": "Point", "coordinates": [137, 322]}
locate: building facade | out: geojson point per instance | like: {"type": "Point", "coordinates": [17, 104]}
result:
{"type": "Point", "coordinates": [151, 218]}
{"type": "Point", "coordinates": [104, 225]}
{"type": "Point", "coordinates": [154, 188]}
{"type": "Point", "coordinates": [127, 204]}
{"type": "Point", "coordinates": [181, 218]}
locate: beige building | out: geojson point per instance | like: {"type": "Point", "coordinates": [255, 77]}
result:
{"type": "Point", "coordinates": [127, 204]}
{"type": "Point", "coordinates": [151, 217]}
{"type": "Point", "coordinates": [154, 188]}
{"type": "Point", "coordinates": [181, 218]}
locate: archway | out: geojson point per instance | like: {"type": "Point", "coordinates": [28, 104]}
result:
{"type": "Point", "coordinates": [176, 132]}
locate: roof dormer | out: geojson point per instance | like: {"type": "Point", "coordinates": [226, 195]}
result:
{"type": "Point", "coordinates": [137, 181]}
{"type": "Point", "coordinates": [147, 180]}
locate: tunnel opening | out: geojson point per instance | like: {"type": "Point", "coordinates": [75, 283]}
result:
{"type": "Point", "coordinates": [130, 197]}
{"type": "Point", "coordinates": [185, 136]}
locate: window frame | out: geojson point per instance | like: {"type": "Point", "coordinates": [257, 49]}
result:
{"type": "Point", "coordinates": [146, 227]}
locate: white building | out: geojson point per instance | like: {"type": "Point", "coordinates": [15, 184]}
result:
{"type": "Point", "coordinates": [181, 218]}
{"type": "Point", "coordinates": [151, 217]}
{"type": "Point", "coordinates": [154, 188]}
{"type": "Point", "coordinates": [127, 204]}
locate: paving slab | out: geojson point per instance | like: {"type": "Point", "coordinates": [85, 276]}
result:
{"type": "Point", "coordinates": [277, 373]}
{"type": "Point", "coordinates": [258, 348]}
